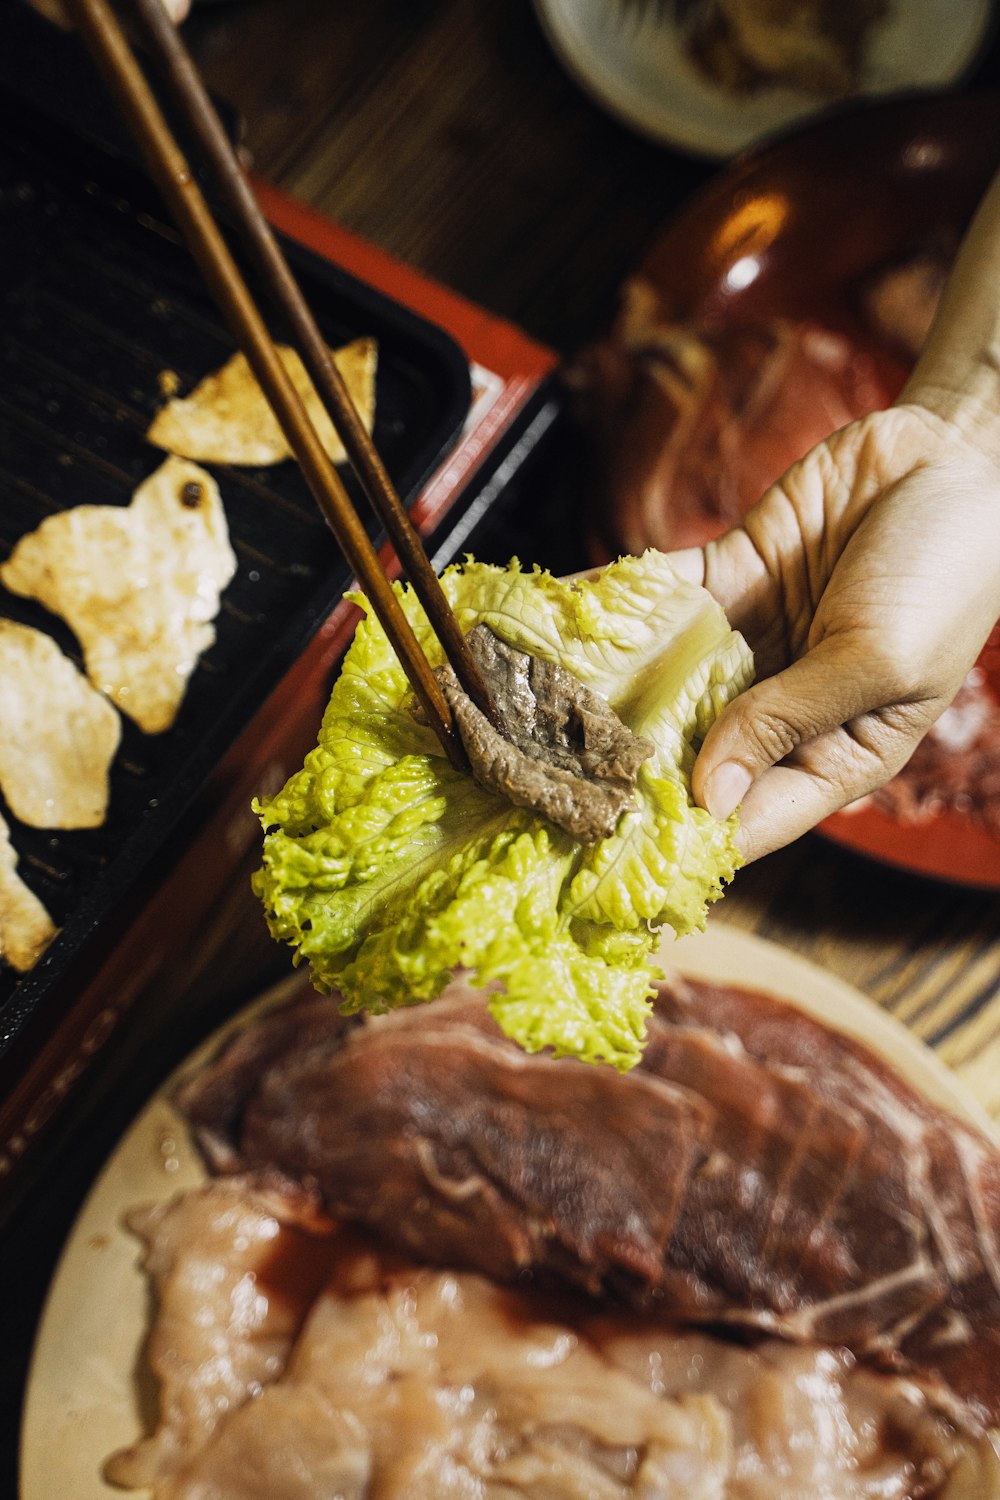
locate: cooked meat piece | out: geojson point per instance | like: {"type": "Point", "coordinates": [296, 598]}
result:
{"type": "Point", "coordinates": [59, 735]}
{"type": "Point", "coordinates": [226, 419]}
{"type": "Point", "coordinates": [412, 1384]}
{"type": "Point", "coordinates": [802, 1188]}
{"type": "Point", "coordinates": [687, 426]}
{"type": "Point", "coordinates": [139, 585]}
{"type": "Point", "coordinates": [564, 753]}
{"type": "Point", "coordinates": [26, 929]}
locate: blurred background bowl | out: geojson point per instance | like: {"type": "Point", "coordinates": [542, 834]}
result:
{"type": "Point", "coordinates": [783, 246]}
{"type": "Point", "coordinates": [750, 332]}
{"type": "Point", "coordinates": [632, 58]}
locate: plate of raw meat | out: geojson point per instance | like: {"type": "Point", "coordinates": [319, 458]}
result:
{"type": "Point", "coordinates": [398, 1257]}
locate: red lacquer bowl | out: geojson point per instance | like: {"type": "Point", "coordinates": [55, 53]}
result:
{"type": "Point", "coordinates": [794, 230]}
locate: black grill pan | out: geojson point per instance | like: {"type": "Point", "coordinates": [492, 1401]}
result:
{"type": "Point", "coordinates": [97, 297]}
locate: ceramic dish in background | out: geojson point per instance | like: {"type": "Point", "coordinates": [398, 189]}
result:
{"type": "Point", "coordinates": [794, 231]}
{"type": "Point", "coordinates": [87, 1394]}
{"type": "Point", "coordinates": [629, 56]}
{"type": "Point", "coordinates": [949, 846]}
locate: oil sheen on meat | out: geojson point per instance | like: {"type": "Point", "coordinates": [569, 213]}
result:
{"type": "Point", "coordinates": [294, 1367]}
{"type": "Point", "coordinates": [757, 1170]}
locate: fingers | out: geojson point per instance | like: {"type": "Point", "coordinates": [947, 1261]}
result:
{"type": "Point", "coordinates": [818, 779]}
{"type": "Point", "coordinates": [799, 745]}
{"type": "Point", "coordinates": [689, 563]}
{"type": "Point", "coordinates": [767, 722]}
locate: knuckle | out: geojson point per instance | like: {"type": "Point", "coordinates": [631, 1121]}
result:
{"type": "Point", "coordinates": [766, 735]}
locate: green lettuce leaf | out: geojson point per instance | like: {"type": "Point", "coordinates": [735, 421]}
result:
{"type": "Point", "coordinates": [387, 870]}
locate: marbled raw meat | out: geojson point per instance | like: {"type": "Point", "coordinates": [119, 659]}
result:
{"type": "Point", "coordinates": [757, 1170]}
{"type": "Point", "coordinates": [408, 1383]}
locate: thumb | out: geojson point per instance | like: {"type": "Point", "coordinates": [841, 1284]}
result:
{"type": "Point", "coordinates": [797, 746]}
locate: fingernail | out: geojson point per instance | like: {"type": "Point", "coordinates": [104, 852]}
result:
{"type": "Point", "coordinates": [727, 786]}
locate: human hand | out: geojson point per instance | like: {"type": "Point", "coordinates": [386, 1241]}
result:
{"type": "Point", "coordinates": [177, 9]}
{"type": "Point", "coordinates": [866, 580]}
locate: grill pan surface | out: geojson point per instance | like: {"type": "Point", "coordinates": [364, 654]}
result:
{"type": "Point", "coordinates": [98, 297]}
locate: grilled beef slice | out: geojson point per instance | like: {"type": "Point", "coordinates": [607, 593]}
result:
{"type": "Point", "coordinates": [564, 751]}
{"type": "Point", "coordinates": [757, 1170]}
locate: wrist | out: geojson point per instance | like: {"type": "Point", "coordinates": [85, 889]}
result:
{"type": "Point", "coordinates": [966, 401]}
{"type": "Point", "coordinates": [957, 377]}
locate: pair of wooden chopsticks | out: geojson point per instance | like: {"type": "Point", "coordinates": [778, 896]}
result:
{"type": "Point", "coordinates": [100, 29]}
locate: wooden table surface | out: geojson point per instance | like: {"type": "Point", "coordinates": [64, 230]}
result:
{"type": "Point", "coordinates": [446, 132]}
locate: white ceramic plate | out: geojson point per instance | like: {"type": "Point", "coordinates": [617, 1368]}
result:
{"type": "Point", "coordinates": [85, 1391]}
{"type": "Point", "coordinates": [627, 54]}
